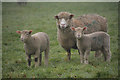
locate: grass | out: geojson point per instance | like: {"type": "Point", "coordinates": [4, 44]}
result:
{"type": "Point", "coordinates": [0, 40]}
{"type": "Point", "coordinates": [39, 17]}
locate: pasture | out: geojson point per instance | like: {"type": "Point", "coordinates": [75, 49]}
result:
{"type": "Point", "coordinates": [39, 17]}
{"type": "Point", "coordinates": [0, 40]}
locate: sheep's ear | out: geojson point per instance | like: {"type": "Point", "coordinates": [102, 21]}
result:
{"type": "Point", "coordinates": [71, 16]}
{"type": "Point", "coordinates": [84, 28]}
{"type": "Point", "coordinates": [56, 17]}
{"type": "Point", "coordinates": [72, 28]}
{"type": "Point", "coordinates": [19, 32]}
{"type": "Point", "coordinates": [30, 31]}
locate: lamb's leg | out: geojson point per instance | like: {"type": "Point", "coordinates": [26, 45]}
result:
{"type": "Point", "coordinates": [37, 54]}
{"type": "Point", "coordinates": [29, 60]}
{"type": "Point", "coordinates": [98, 53]}
{"type": "Point", "coordinates": [109, 55]}
{"type": "Point", "coordinates": [79, 51]}
{"type": "Point", "coordinates": [68, 54]}
{"type": "Point", "coordinates": [36, 61]}
{"type": "Point", "coordinates": [81, 57]}
{"type": "Point", "coordinates": [46, 57]}
{"type": "Point", "coordinates": [40, 59]}
{"type": "Point", "coordinates": [86, 54]}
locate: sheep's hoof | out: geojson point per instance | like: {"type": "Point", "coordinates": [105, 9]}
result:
{"type": "Point", "coordinates": [28, 66]}
{"type": "Point", "coordinates": [66, 59]}
{"type": "Point", "coordinates": [36, 65]}
{"type": "Point", "coordinates": [86, 62]}
{"type": "Point", "coordinates": [108, 60]}
{"type": "Point", "coordinates": [46, 64]}
{"type": "Point", "coordinates": [81, 61]}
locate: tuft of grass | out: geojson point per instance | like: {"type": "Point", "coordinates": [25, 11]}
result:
{"type": "Point", "coordinates": [39, 17]}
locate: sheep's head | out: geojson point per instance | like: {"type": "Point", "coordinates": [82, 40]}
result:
{"type": "Point", "coordinates": [64, 19]}
{"type": "Point", "coordinates": [79, 32]}
{"type": "Point", "coordinates": [25, 35]}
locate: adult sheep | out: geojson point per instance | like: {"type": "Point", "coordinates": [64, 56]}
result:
{"type": "Point", "coordinates": [66, 36]}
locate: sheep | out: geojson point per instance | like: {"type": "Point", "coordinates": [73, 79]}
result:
{"type": "Point", "coordinates": [92, 42]}
{"type": "Point", "coordinates": [34, 45]}
{"type": "Point", "coordinates": [65, 35]}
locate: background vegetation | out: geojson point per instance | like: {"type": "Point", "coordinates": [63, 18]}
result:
{"type": "Point", "coordinates": [39, 17]}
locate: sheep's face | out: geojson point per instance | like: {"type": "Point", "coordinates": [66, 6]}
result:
{"type": "Point", "coordinates": [64, 20]}
{"type": "Point", "coordinates": [79, 32]}
{"type": "Point", "coordinates": [25, 35]}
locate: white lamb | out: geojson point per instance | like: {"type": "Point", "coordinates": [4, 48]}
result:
{"type": "Point", "coordinates": [34, 45]}
{"type": "Point", "coordinates": [92, 42]}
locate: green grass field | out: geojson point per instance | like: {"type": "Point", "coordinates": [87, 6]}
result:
{"type": "Point", "coordinates": [39, 17]}
{"type": "Point", "coordinates": [0, 40]}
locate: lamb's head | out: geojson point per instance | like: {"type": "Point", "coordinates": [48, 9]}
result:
{"type": "Point", "coordinates": [79, 32]}
{"type": "Point", "coordinates": [25, 35]}
{"type": "Point", "coordinates": [64, 20]}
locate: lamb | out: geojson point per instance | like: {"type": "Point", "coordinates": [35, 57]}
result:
{"type": "Point", "coordinates": [34, 45]}
{"type": "Point", "coordinates": [92, 42]}
{"type": "Point", "coordinates": [66, 36]}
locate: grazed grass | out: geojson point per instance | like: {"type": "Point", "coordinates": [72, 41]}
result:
{"type": "Point", "coordinates": [40, 17]}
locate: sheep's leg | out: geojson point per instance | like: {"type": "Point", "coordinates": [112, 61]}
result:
{"type": "Point", "coordinates": [107, 54]}
{"type": "Point", "coordinates": [37, 54]}
{"type": "Point", "coordinates": [98, 53]}
{"type": "Point", "coordinates": [79, 51]}
{"type": "Point", "coordinates": [46, 57]}
{"type": "Point", "coordinates": [86, 54]}
{"type": "Point", "coordinates": [81, 57]}
{"type": "Point", "coordinates": [68, 54]}
{"type": "Point", "coordinates": [36, 61]}
{"type": "Point", "coordinates": [29, 60]}
{"type": "Point", "coordinates": [40, 59]}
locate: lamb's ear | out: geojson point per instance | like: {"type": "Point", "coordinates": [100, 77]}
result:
{"type": "Point", "coordinates": [30, 31]}
{"type": "Point", "coordinates": [72, 28]}
{"type": "Point", "coordinates": [71, 16]}
{"type": "Point", "coordinates": [56, 17]}
{"type": "Point", "coordinates": [19, 32]}
{"type": "Point", "coordinates": [84, 28]}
